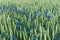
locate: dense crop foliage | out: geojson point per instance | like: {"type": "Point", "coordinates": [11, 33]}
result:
{"type": "Point", "coordinates": [29, 20]}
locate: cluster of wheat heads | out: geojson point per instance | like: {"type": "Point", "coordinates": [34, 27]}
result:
{"type": "Point", "coordinates": [30, 20]}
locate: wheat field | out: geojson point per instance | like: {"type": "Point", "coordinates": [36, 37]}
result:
{"type": "Point", "coordinates": [29, 19]}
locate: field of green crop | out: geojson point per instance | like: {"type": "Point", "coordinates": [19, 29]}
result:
{"type": "Point", "coordinates": [29, 19]}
